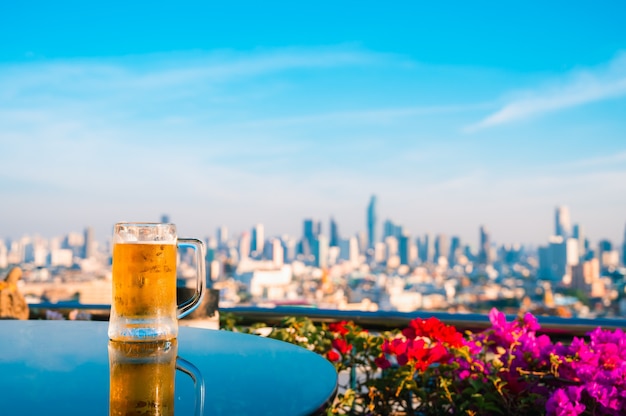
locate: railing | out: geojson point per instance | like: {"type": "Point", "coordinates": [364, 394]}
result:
{"type": "Point", "coordinates": [555, 327]}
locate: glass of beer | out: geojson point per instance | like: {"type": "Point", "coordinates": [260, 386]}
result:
{"type": "Point", "coordinates": [144, 306]}
{"type": "Point", "coordinates": [142, 378]}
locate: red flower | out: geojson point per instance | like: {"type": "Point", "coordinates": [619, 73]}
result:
{"type": "Point", "coordinates": [333, 356]}
{"type": "Point", "coordinates": [417, 350]}
{"type": "Point", "coordinates": [437, 353]}
{"type": "Point", "coordinates": [435, 330]}
{"type": "Point", "coordinates": [341, 345]}
{"type": "Point", "coordinates": [339, 327]}
{"type": "Point", "coordinates": [451, 336]}
{"type": "Point", "coordinates": [396, 346]}
{"type": "Point", "coordinates": [409, 333]}
{"type": "Point", "coordinates": [382, 362]}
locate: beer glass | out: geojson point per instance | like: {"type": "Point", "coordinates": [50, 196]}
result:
{"type": "Point", "coordinates": [142, 378]}
{"type": "Point", "coordinates": [144, 306]}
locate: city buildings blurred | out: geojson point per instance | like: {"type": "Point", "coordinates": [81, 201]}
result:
{"type": "Point", "coordinates": [566, 276]}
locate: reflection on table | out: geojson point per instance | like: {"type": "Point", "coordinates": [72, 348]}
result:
{"type": "Point", "coordinates": [66, 368]}
{"type": "Point", "coordinates": [142, 378]}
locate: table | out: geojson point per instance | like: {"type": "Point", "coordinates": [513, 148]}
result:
{"type": "Point", "coordinates": [62, 368]}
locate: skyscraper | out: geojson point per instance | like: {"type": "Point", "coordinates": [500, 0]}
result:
{"type": "Point", "coordinates": [579, 234]}
{"type": "Point", "coordinates": [244, 246]}
{"type": "Point", "coordinates": [334, 233]}
{"type": "Point", "coordinates": [624, 249]}
{"type": "Point", "coordinates": [455, 250]}
{"type": "Point", "coordinates": [371, 222]}
{"type": "Point", "coordinates": [88, 243]}
{"type": "Point", "coordinates": [404, 249]}
{"type": "Point", "coordinates": [441, 247]}
{"type": "Point", "coordinates": [310, 233]}
{"type": "Point", "coordinates": [320, 251]}
{"type": "Point", "coordinates": [425, 248]}
{"type": "Point", "coordinates": [484, 256]}
{"type": "Point", "coordinates": [562, 224]}
{"type": "Point", "coordinates": [258, 239]}
{"type": "Point", "coordinates": [222, 235]}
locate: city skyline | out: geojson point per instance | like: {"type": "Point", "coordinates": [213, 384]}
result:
{"type": "Point", "coordinates": [374, 232]}
{"type": "Point", "coordinates": [454, 116]}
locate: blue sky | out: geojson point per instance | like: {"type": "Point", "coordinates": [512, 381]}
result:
{"type": "Point", "coordinates": [455, 116]}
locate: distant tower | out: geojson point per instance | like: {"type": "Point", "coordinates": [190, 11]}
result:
{"type": "Point", "coordinates": [320, 251]}
{"type": "Point", "coordinates": [278, 253]}
{"type": "Point", "coordinates": [222, 236]}
{"type": "Point", "coordinates": [311, 231]}
{"type": "Point", "coordinates": [624, 249]}
{"type": "Point", "coordinates": [244, 246]}
{"type": "Point", "coordinates": [258, 239]}
{"type": "Point", "coordinates": [484, 247]}
{"type": "Point", "coordinates": [389, 229]}
{"type": "Point", "coordinates": [562, 224]}
{"type": "Point", "coordinates": [404, 249]}
{"type": "Point", "coordinates": [334, 233]}
{"type": "Point", "coordinates": [579, 234]}
{"type": "Point", "coordinates": [605, 247]}
{"type": "Point", "coordinates": [371, 222]}
{"type": "Point", "coordinates": [88, 243]}
{"type": "Point", "coordinates": [455, 249]}
{"type": "Point", "coordinates": [425, 248]}
{"type": "Point", "coordinates": [441, 247]}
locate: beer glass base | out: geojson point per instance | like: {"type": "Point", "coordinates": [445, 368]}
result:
{"type": "Point", "coordinates": [142, 331]}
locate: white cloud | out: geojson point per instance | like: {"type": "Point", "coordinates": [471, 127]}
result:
{"type": "Point", "coordinates": [377, 115]}
{"type": "Point", "coordinates": [577, 88]}
{"type": "Point", "coordinates": [163, 71]}
{"type": "Point", "coordinates": [599, 161]}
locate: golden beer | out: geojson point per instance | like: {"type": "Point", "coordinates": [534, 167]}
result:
{"type": "Point", "coordinates": [142, 377]}
{"type": "Point", "coordinates": [144, 279]}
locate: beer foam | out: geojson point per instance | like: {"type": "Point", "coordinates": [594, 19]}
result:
{"type": "Point", "coordinates": [121, 241]}
{"type": "Point", "coordinates": [144, 233]}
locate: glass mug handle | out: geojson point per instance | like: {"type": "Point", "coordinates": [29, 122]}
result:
{"type": "Point", "coordinates": [190, 304]}
{"type": "Point", "coordinates": [198, 382]}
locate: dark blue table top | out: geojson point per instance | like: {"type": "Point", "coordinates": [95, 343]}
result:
{"type": "Point", "coordinates": [62, 368]}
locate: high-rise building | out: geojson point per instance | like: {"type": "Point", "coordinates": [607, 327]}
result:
{"type": "Point", "coordinates": [484, 248]}
{"type": "Point", "coordinates": [441, 247]}
{"type": "Point", "coordinates": [289, 248]}
{"type": "Point", "coordinates": [607, 256]}
{"type": "Point", "coordinates": [88, 243]}
{"type": "Point", "coordinates": [425, 248]}
{"type": "Point", "coordinates": [455, 250]}
{"type": "Point", "coordinates": [579, 234]}
{"type": "Point", "coordinates": [562, 224]}
{"type": "Point", "coordinates": [257, 239]}
{"type": "Point", "coordinates": [278, 253]}
{"type": "Point", "coordinates": [320, 251]}
{"type": "Point", "coordinates": [371, 222]}
{"type": "Point", "coordinates": [557, 259]}
{"type": "Point", "coordinates": [334, 233]}
{"type": "Point", "coordinates": [222, 235]}
{"type": "Point", "coordinates": [391, 247]}
{"type": "Point", "coordinates": [624, 249]}
{"type": "Point", "coordinates": [244, 246]}
{"type": "Point", "coordinates": [311, 231]}
{"type": "Point", "coordinates": [349, 250]}
{"type": "Point", "coordinates": [404, 249]}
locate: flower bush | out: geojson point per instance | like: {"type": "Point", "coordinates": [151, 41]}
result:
{"type": "Point", "coordinates": [429, 368]}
